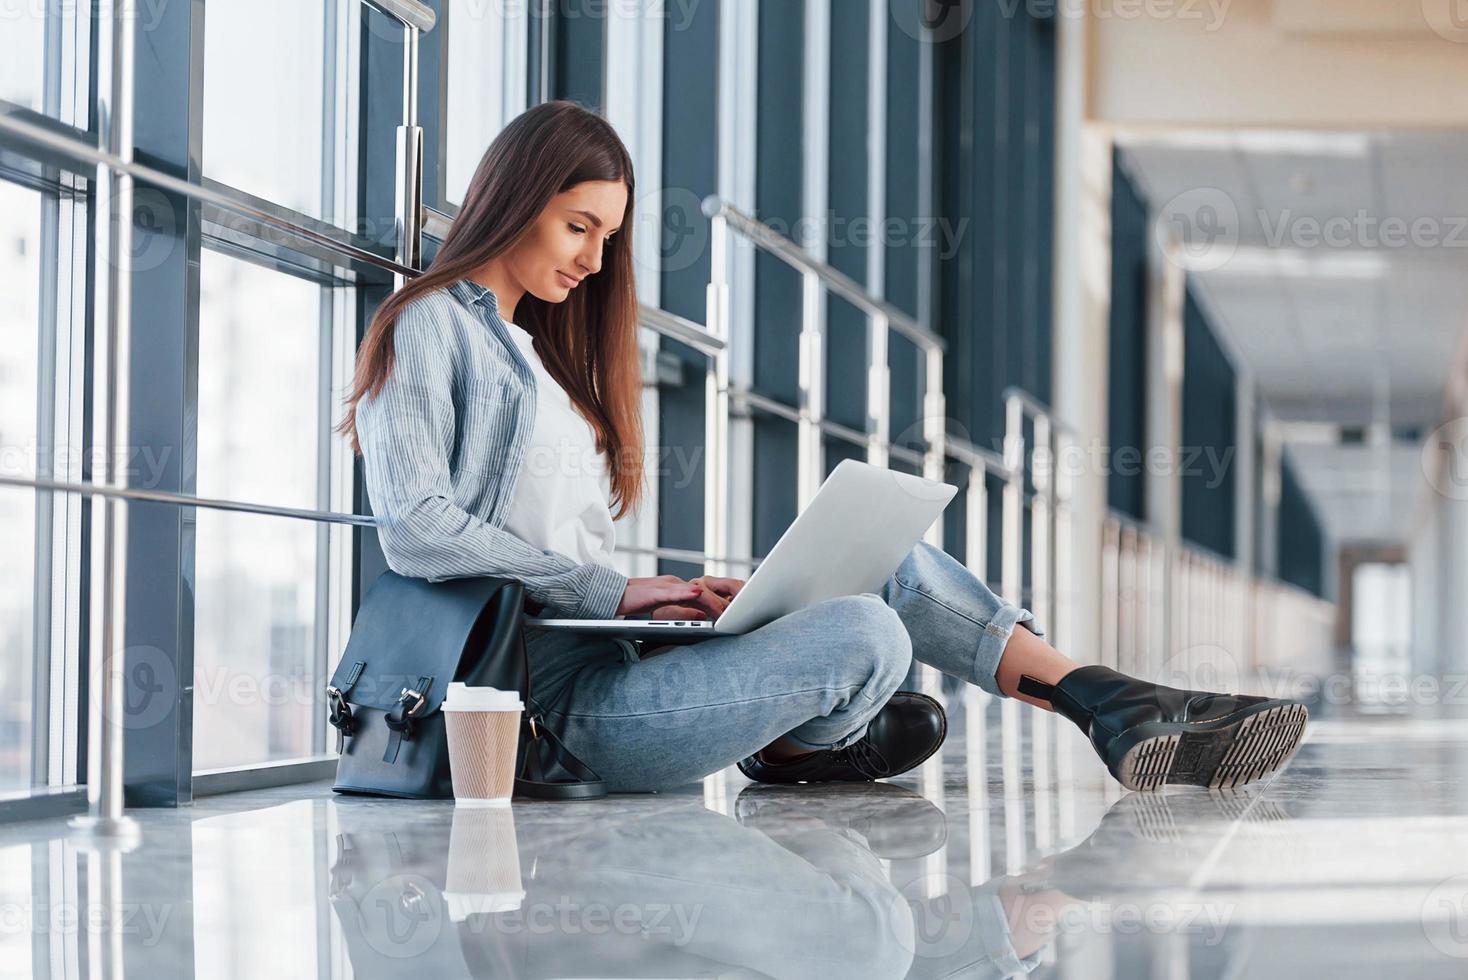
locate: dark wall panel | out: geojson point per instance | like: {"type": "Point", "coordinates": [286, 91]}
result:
{"type": "Point", "coordinates": [779, 200]}
{"type": "Point", "coordinates": [908, 231]}
{"type": "Point", "coordinates": [848, 175]}
{"type": "Point", "coordinates": [1126, 397]}
{"type": "Point", "coordinates": [1209, 443]}
{"type": "Point", "coordinates": [579, 59]}
{"type": "Point", "coordinates": [995, 119]}
{"type": "Point", "coordinates": [690, 164]}
{"type": "Point", "coordinates": [1301, 542]}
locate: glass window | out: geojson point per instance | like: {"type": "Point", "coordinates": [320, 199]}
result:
{"type": "Point", "coordinates": [255, 661]}
{"type": "Point", "coordinates": [264, 119]}
{"type": "Point", "coordinates": [486, 83]}
{"type": "Point", "coordinates": [44, 67]}
{"type": "Point", "coordinates": [20, 278]}
{"type": "Point", "coordinates": [22, 38]}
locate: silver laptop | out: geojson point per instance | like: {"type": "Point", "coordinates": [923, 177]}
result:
{"type": "Point", "coordinates": [857, 530]}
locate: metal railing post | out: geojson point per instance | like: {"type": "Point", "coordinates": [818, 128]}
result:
{"type": "Point", "coordinates": [879, 389]}
{"type": "Point", "coordinates": [1011, 575]}
{"type": "Point", "coordinates": [408, 211]}
{"type": "Point", "coordinates": [107, 658]}
{"type": "Point", "coordinates": [1064, 585]}
{"type": "Point", "coordinates": [811, 375]}
{"type": "Point", "coordinates": [716, 540]}
{"type": "Point", "coordinates": [1012, 572]}
{"type": "Point", "coordinates": [935, 420]}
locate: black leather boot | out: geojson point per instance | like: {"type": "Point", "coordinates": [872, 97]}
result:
{"type": "Point", "coordinates": [1150, 735]}
{"type": "Point", "coordinates": [909, 728]}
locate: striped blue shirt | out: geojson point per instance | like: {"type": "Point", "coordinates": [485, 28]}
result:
{"type": "Point", "coordinates": [442, 447]}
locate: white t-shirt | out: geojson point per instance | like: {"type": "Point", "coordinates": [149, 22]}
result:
{"type": "Point", "coordinates": [562, 501]}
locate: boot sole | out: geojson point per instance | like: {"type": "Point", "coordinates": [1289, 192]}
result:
{"type": "Point", "coordinates": [1230, 751]}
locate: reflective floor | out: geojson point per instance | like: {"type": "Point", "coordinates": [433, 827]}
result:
{"type": "Point", "coordinates": [1010, 854]}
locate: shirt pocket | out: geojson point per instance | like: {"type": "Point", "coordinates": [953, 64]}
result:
{"type": "Point", "coordinates": [487, 426]}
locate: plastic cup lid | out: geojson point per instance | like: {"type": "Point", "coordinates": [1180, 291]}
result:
{"type": "Point", "coordinates": [462, 697]}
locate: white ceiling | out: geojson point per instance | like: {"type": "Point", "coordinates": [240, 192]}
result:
{"type": "Point", "coordinates": [1358, 330]}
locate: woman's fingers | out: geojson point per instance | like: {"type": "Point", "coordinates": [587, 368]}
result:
{"type": "Point", "coordinates": [676, 592]}
{"type": "Point", "coordinates": [726, 587]}
{"type": "Point", "coordinates": [711, 603]}
{"type": "Point", "coordinates": [677, 612]}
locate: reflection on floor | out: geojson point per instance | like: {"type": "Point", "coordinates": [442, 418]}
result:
{"type": "Point", "coordinates": [1010, 854]}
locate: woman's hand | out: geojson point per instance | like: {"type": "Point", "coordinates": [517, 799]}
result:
{"type": "Point", "coordinates": [726, 588]}
{"type": "Point", "coordinates": [643, 594]}
{"type": "Point", "coordinates": [717, 594]}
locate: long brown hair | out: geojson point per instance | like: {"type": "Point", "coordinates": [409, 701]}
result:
{"type": "Point", "coordinates": [588, 342]}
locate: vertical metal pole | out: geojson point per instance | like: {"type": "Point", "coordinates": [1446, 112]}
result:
{"type": "Point", "coordinates": [1062, 615]}
{"type": "Point", "coordinates": [812, 372]}
{"type": "Point", "coordinates": [1041, 728]}
{"type": "Point", "coordinates": [408, 213]}
{"type": "Point", "coordinates": [935, 425]}
{"type": "Point", "coordinates": [1014, 485]}
{"type": "Point", "coordinates": [1128, 636]}
{"type": "Point", "coordinates": [976, 521]}
{"type": "Point", "coordinates": [108, 655]}
{"type": "Point", "coordinates": [716, 542]}
{"type": "Point", "coordinates": [1011, 582]}
{"type": "Point", "coordinates": [879, 391]}
{"type": "Point", "coordinates": [104, 882]}
{"type": "Point", "coordinates": [1064, 604]}
{"type": "Point", "coordinates": [1110, 591]}
{"type": "Point", "coordinates": [976, 699]}
{"type": "Point", "coordinates": [934, 457]}
{"type": "Point", "coordinates": [1040, 513]}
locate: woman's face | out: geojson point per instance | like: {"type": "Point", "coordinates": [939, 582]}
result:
{"type": "Point", "coordinates": [565, 244]}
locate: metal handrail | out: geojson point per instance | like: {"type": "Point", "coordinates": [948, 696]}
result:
{"type": "Point", "coordinates": [1034, 406]}
{"type": "Point", "coordinates": [681, 329]}
{"type": "Point", "coordinates": [409, 13]}
{"type": "Point", "coordinates": [436, 223]}
{"type": "Point", "coordinates": [966, 452]}
{"type": "Point", "coordinates": [81, 152]}
{"type": "Point", "coordinates": [186, 500]}
{"type": "Point", "coordinates": [837, 282]}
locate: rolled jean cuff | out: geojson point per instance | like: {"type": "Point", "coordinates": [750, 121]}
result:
{"type": "Point", "coordinates": [992, 641]}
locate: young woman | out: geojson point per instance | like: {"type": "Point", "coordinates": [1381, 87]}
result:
{"type": "Point", "coordinates": [496, 407]}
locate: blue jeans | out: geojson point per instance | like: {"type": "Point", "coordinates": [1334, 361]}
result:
{"type": "Point", "coordinates": [816, 676]}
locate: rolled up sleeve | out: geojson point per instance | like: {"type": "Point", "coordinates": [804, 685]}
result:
{"type": "Point", "coordinates": [407, 434]}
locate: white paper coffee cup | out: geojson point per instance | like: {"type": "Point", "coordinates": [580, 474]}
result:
{"type": "Point", "coordinates": [483, 727]}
